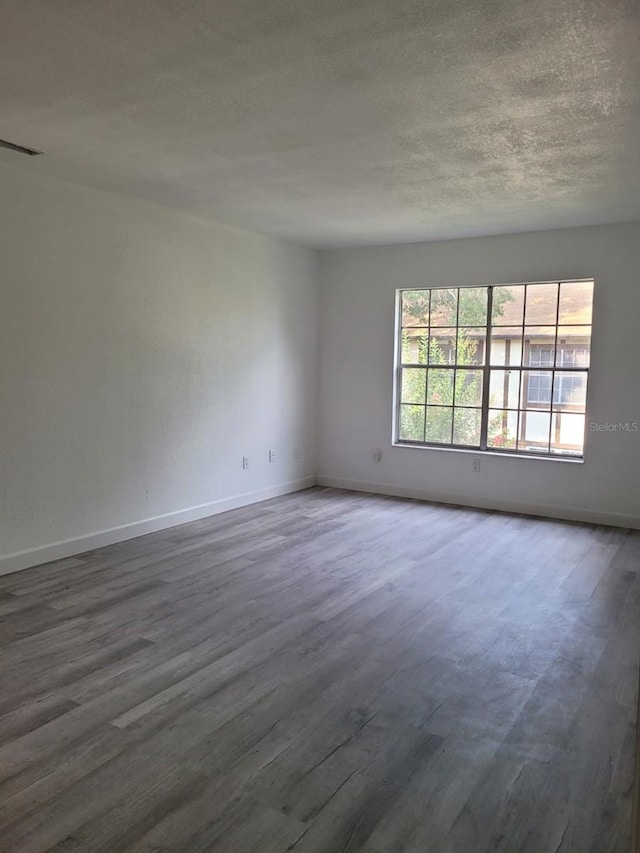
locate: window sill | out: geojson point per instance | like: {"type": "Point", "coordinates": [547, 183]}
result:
{"type": "Point", "coordinates": [503, 454]}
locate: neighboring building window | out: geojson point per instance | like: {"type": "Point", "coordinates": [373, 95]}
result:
{"type": "Point", "coordinates": [502, 367]}
{"type": "Point", "coordinates": [541, 357]}
{"type": "Point", "coordinates": [539, 388]}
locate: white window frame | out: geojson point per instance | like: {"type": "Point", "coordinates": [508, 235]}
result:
{"type": "Point", "coordinates": [557, 372]}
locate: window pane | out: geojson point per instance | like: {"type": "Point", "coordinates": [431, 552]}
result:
{"type": "Point", "coordinates": [567, 433]}
{"type": "Point", "coordinates": [468, 387]}
{"type": "Point", "coordinates": [439, 423]}
{"type": "Point", "coordinates": [575, 301]}
{"type": "Point", "coordinates": [504, 388]}
{"type": "Point", "coordinates": [534, 431]}
{"type": "Point", "coordinates": [444, 307]}
{"type": "Point", "coordinates": [569, 391]}
{"type": "Point", "coordinates": [440, 387]}
{"type": "Point", "coordinates": [466, 426]}
{"type": "Point", "coordinates": [473, 306]}
{"type": "Point", "coordinates": [502, 429]}
{"type": "Point", "coordinates": [414, 383]}
{"type": "Point", "coordinates": [535, 390]}
{"type": "Point", "coordinates": [415, 308]}
{"type": "Point", "coordinates": [506, 346]}
{"type": "Point", "coordinates": [412, 423]}
{"type": "Point", "coordinates": [541, 305]}
{"type": "Point", "coordinates": [540, 355]}
{"type": "Point", "coordinates": [539, 346]}
{"type": "Point", "coordinates": [574, 346]}
{"type": "Point", "coordinates": [508, 305]}
{"type": "Point", "coordinates": [415, 344]}
{"type": "Point", "coordinates": [442, 346]}
{"type": "Point", "coordinates": [471, 345]}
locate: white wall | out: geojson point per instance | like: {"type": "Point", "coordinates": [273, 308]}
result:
{"type": "Point", "coordinates": [356, 374]}
{"type": "Point", "coordinates": [143, 352]}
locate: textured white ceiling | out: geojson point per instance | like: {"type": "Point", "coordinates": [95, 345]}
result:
{"type": "Point", "coordinates": [336, 122]}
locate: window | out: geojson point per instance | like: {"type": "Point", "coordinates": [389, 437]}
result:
{"type": "Point", "coordinates": [500, 368]}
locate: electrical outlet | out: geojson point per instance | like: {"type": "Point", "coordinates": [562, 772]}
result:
{"type": "Point", "coordinates": [377, 454]}
{"type": "Point", "coordinates": [296, 453]}
{"type": "Point", "coordinates": [245, 462]}
{"type": "Point", "coordinates": [272, 456]}
{"type": "Point", "coordinates": [476, 465]}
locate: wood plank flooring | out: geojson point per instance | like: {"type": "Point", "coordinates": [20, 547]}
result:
{"type": "Point", "coordinates": [326, 672]}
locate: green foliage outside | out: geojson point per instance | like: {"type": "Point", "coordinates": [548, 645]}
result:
{"type": "Point", "coordinates": [438, 421]}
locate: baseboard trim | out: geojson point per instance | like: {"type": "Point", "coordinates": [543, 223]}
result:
{"type": "Point", "coordinates": [77, 545]}
{"type": "Point", "coordinates": [69, 547]}
{"type": "Point", "coordinates": [542, 510]}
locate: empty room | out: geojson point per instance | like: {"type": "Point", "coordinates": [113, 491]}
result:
{"type": "Point", "coordinates": [319, 426]}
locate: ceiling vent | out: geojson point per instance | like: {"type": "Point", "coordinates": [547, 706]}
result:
{"type": "Point", "coordinates": [19, 148]}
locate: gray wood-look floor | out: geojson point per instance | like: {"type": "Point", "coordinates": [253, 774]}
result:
{"type": "Point", "coordinates": [324, 673]}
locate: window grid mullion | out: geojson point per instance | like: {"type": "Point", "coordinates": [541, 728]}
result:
{"type": "Point", "coordinates": [555, 362]}
{"type": "Point", "coordinates": [578, 369]}
{"type": "Point", "coordinates": [426, 378]}
{"type": "Point", "coordinates": [453, 395]}
{"type": "Point", "coordinates": [486, 374]}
